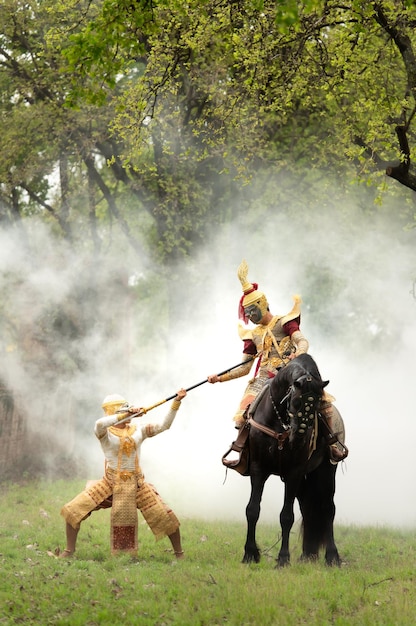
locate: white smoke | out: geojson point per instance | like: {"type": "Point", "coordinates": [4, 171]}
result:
{"type": "Point", "coordinates": [358, 315]}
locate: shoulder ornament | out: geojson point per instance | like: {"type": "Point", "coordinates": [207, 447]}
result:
{"type": "Point", "coordinates": [245, 333]}
{"type": "Point", "coordinates": [294, 313]}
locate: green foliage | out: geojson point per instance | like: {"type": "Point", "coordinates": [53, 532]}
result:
{"type": "Point", "coordinates": [177, 107]}
{"type": "Point", "coordinates": [272, 82]}
{"type": "Point", "coordinates": [375, 584]}
{"type": "Point", "coordinates": [100, 58]}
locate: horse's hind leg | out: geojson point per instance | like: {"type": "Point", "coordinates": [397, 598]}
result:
{"type": "Point", "coordinates": [316, 500]}
{"type": "Point", "coordinates": [251, 551]}
{"type": "Point", "coordinates": [328, 508]}
{"type": "Point", "coordinates": [331, 552]}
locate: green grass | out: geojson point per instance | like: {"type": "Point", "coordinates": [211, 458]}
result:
{"type": "Point", "coordinates": [374, 586]}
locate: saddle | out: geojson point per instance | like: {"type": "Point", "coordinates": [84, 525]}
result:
{"type": "Point", "coordinates": [240, 445]}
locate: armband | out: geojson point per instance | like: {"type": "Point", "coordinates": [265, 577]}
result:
{"type": "Point", "coordinates": [122, 416]}
{"type": "Point", "coordinates": [301, 343]}
{"type": "Point", "coordinates": [175, 405]}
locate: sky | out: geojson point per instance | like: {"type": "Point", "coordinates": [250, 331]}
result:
{"type": "Point", "coordinates": [363, 337]}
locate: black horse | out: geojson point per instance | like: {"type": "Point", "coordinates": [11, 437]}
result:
{"type": "Point", "coordinates": [287, 437]}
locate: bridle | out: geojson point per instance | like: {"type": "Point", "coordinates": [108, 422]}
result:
{"type": "Point", "coordinates": [305, 415]}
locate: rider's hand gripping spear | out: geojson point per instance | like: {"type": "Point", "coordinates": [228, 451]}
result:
{"type": "Point", "coordinates": [142, 411]}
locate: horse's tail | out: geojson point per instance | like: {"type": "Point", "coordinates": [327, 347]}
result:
{"type": "Point", "coordinates": [316, 502]}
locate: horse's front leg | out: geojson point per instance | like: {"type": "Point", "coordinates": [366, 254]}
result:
{"type": "Point", "coordinates": [287, 517]}
{"type": "Point", "coordinates": [251, 551]}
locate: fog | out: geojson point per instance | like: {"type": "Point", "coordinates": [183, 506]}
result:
{"type": "Point", "coordinates": [361, 330]}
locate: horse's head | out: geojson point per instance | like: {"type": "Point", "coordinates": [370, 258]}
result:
{"type": "Point", "coordinates": [303, 390]}
{"type": "Point", "coordinates": [302, 403]}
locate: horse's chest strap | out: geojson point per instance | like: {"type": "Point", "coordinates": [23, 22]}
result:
{"type": "Point", "coordinates": [281, 437]}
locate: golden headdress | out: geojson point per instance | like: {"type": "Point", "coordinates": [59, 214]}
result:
{"type": "Point", "coordinates": [251, 293]}
{"type": "Point", "coordinates": [113, 399]}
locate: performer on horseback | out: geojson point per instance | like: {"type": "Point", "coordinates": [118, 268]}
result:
{"type": "Point", "coordinates": [278, 339]}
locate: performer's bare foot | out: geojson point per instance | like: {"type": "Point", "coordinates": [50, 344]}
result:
{"type": "Point", "coordinates": [65, 554]}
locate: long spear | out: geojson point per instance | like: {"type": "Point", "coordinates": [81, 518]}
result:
{"type": "Point", "coordinates": [153, 406]}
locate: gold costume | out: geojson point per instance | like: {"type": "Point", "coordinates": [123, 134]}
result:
{"type": "Point", "coordinates": [123, 487]}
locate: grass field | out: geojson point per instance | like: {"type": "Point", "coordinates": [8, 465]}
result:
{"type": "Point", "coordinates": [374, 586]}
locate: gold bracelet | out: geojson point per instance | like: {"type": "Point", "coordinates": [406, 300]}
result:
{"type": "Point", "coordinates": [175, 405]}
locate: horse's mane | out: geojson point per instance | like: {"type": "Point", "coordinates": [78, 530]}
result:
{"type": "Point", "coordinates": [302, 365]}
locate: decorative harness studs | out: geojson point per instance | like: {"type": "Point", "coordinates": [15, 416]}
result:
{"type": "Point", "coordinates": [306, 416]}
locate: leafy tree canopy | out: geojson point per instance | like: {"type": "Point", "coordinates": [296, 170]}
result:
{"type": "Point", "coordinates": [255, 83]}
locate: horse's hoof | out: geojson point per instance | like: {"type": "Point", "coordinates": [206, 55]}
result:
{"type": "Point", "coordinates": [335, 562]}
{"type": "Point", "coordinates": [309, 558]}
{"type": "Point", "coordinates": [251, 558]}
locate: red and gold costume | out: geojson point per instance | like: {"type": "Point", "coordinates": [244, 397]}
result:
{"type": "Point", "coordinates": [274, 340]}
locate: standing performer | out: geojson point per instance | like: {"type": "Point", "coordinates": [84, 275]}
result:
{"type": "Point", "coordinates": [123, 486]}
{"type": "Point", "coordinates": [278, 339]}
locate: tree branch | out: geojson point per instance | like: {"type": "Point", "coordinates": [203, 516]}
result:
{"type": "Point", "coordinates": [98, 180]}
{"type": "Point", "coordinates": [62, 222]}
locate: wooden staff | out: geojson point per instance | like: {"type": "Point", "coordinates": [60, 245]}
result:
{"type": "Point", "coordinates": [153, 406]}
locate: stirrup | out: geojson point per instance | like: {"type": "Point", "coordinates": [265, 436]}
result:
{"type": "Point", "coordinates": [343, 453]}
{"type": "Point", "coordinates": [331, 439]}
{"type": "Point", "coordinates": [240, 464]}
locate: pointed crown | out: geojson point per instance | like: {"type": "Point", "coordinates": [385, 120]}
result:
{"type": "Point", "coordinates": [251, 292]}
